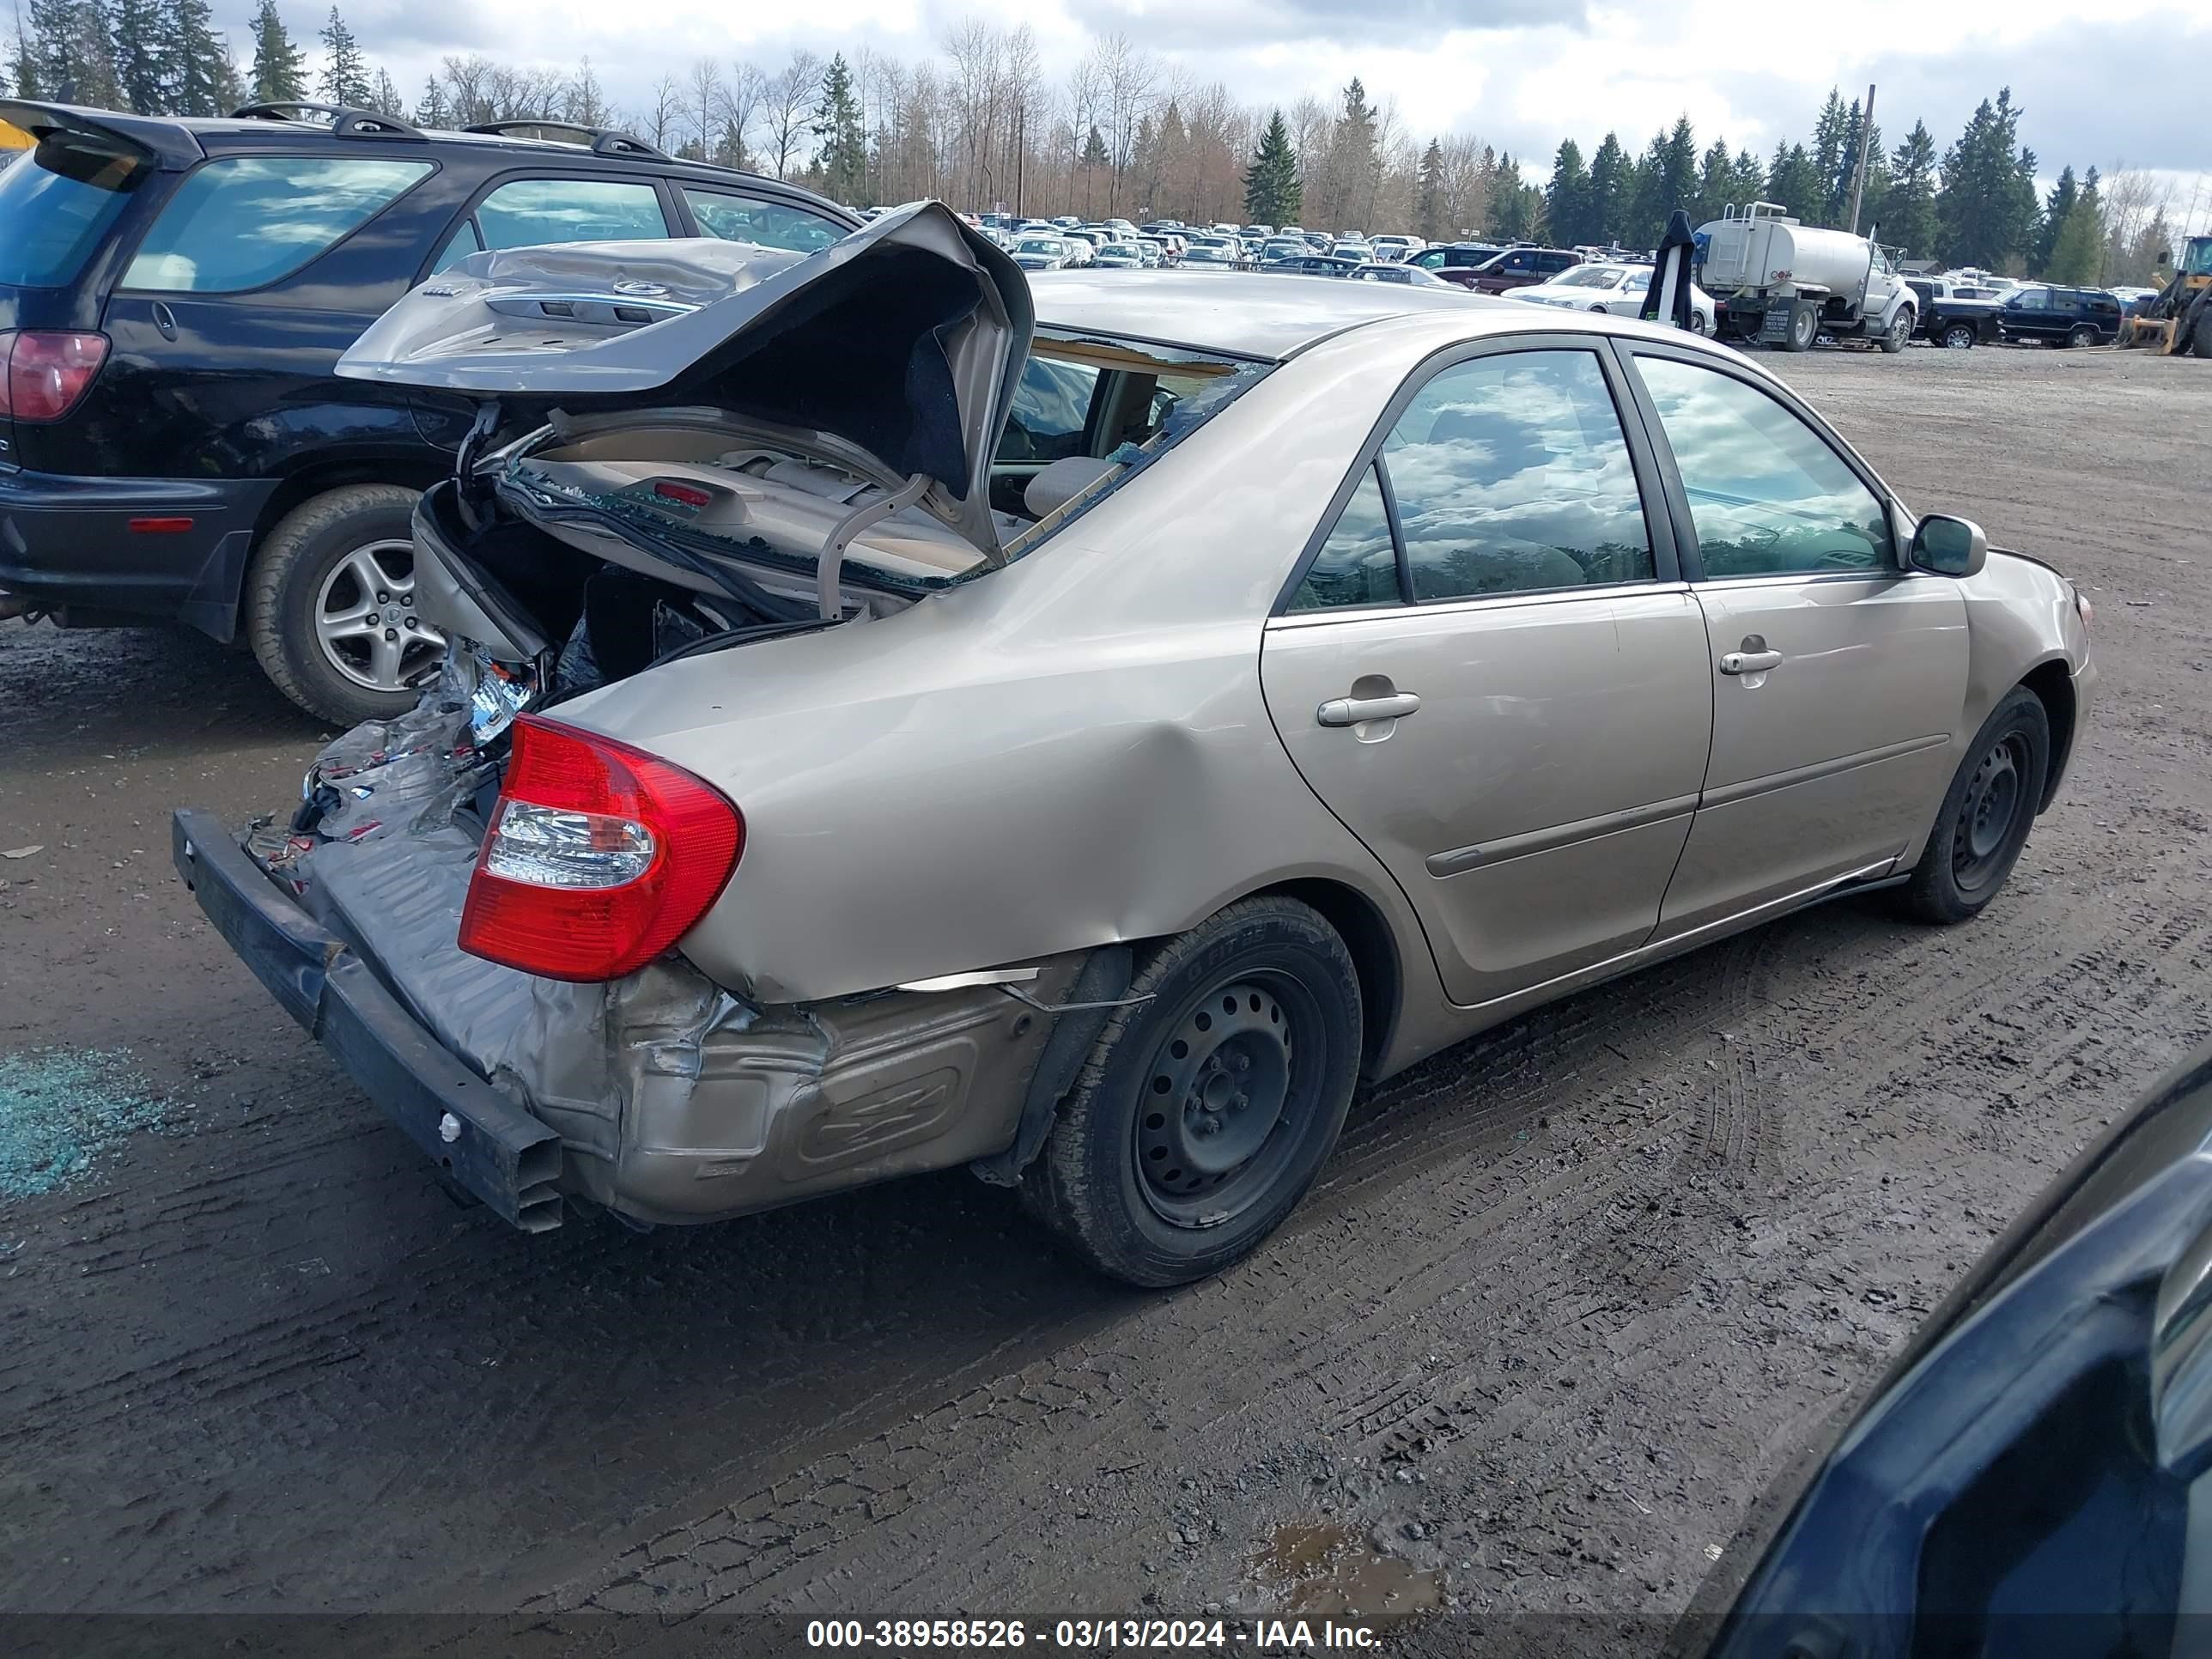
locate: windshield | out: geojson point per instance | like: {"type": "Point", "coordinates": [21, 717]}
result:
{"type": "Point", "coordinates": [2198, 255]}
{"type": "Point", "coordinates": [1051, 245]}
{"type": "Point", "coordinates": [55, 205]}
{"type": "Point", "coordinates": [1118, 251]}
{"type": "Point", "coordinates": [1586, 278]}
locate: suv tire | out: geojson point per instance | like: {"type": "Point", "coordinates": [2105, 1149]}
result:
{"type": "Point", "coordinates": [2083, 336]}
{"type": "Point", "coordinates": [329, 606]}
{"type": "Point", "coordinates": [1986, 815]}
{"type": "Point", "coordinates": [1206, 1110]}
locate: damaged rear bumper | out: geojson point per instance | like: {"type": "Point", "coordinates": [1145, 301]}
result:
{"type": "Point", "coordinates": [487, 1145]}
{"type": "Point", "coordinates": [660, 1096]}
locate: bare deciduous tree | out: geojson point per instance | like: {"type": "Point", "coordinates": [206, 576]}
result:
{"type": "Point", "coordinates": [788, 107]}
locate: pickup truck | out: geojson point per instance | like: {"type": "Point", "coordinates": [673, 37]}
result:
{"type": "Point", "coordinates": [1956, 315]}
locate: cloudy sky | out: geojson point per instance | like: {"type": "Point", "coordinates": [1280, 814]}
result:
{"type": "Point", "coordinates": [1520, 74]}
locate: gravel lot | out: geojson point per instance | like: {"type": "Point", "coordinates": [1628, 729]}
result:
{"type": "Point", "coordinates": [1567, 1299]}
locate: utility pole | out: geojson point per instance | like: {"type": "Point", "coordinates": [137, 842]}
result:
{"type": "Point", "coordinates": [1866, 140]}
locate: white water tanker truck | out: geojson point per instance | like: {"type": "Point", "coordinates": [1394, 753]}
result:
{"type": "Point", "coordinates": [1787, 284]}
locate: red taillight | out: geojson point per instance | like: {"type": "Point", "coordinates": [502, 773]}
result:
{"type": "Point", "coordinates": [599, 856]}
{"type": "Point", "coordinates": [47, 373]}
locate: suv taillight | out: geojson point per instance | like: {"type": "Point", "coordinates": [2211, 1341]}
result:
{"type": "Point", "coordinates": [599, 856]}
{"type": "Point", "coordinates": [43, 373]}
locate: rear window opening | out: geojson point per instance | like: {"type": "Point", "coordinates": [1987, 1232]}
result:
{"type": "Point", "coordinates": [56, 202]}
{"type": "Point", "coordinates": [621, 541]}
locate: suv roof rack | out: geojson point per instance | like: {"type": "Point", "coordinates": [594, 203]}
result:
{"type": "Point", "coordinates": [346, 122]}
{"type": "Point", "coordinates": [603, 140]}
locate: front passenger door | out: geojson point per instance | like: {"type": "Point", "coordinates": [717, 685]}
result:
{"type": "Point", "coordinates": [1838, 677]}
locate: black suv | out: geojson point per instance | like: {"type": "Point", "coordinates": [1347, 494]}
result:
{"type": "Point", "coordinates": [2061, 316]}
{"type": "Point", "coordinates": [174, 294]}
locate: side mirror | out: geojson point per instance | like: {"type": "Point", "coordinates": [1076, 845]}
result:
{"type": "Point", "coordinates": [2166, 256]}
{"type": "Point", "coordinates": [1945, 546]}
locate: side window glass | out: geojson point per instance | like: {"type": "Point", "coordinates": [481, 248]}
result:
{"type": "Point", "coordinates": [1767, 494]}
{"type": "Point", "coordinates": [530, 212]}
{"type": "Point", "coordinates": [242, 222]}
{"type": "Point", "coordinates": [1051, 406]}
{"type": "Point", "coordinates": [1511, 475]}
{"type": "Point", "coordinates": [1357, 564]}
{"type": "Point", "coordinates": [462, 243]}
{"type": "Point", "coordinates": [769, 224]}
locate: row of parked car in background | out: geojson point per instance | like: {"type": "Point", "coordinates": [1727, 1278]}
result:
{"type": "Point", "coordinates": [174, 291]}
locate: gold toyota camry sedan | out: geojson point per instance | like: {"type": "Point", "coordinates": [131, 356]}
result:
{"type": "Point", "coordinates": [899, 716]}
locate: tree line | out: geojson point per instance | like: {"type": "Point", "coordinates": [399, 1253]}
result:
{"type": "Point", "coordinates": [982, 125]}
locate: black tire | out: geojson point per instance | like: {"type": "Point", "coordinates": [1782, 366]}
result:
{"type": "Point", "coordinates": [2083, 336]}
{"type": "Point", "coordinates": [1986, 815]}
{"type": "Point", "coordinates": [1900, 331]}
{"type": "Point", "coordinates": [1959, 337]}
{"type": "Point", "coordinates": [1804, 327]}
{"type": "Point", "coordinates": [2202, 344]}
{"type": "Point", "coordinates": [303, 571]}
{"type": "Point", "coordinates": [1253, 1025]}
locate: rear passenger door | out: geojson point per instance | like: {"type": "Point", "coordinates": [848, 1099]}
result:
{"type": "Point", "coordinates": [1486, 667]}
{"type": "Point", "coordinates": [1837, 677]}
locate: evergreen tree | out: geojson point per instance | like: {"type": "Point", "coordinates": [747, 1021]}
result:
{"type": "Point", "coordinates": [432, 109]}
{"type": "Point", "coordinates": [201, 77]}
{"type": "Point", "coordinates": [2077, 254]}
{"type": "Point", "coordinates": [1567, 198]}
{"type": "Point", "coordinates": [1909, 219]}
{"type": "Point", "coordinates": [74, 60]}
{"type": "Point", "coordinates": [1677, 184]}
{"type": "Point", "coordinates": [1794, 180]}
{"type": "Point", "coordinates": [1830, 133]}
{"type": "Point", "coordinates": [1716, 184]}
{"type": "Point", "coordinates": [1273, 192]}
{"type": "Point", "coordinates": [1517, 207]}
{"type": "Point", "coordinates": [2056, 208]}
{"type": "Point", "coordinates": [843, 156]}
{"type": "Point", "coordinates": [280, 69]}
{"type": "Point", "coordinates": [1354, 170]}
{"type": "Point", "coordinates": [142, 57]}
{"type": "Point", "coordinates": [1429, 194]}
{"type": "Point", "coordinates": [1611, 178]}
{"type": "Point", "coordinates": [1646, 214]}
{"type": "Point", "coordinates": [1750, 179]}
{"type": "Point", "coordinates": [1837, 212]}
{"type": "Point", "coordinates": [1987, 205]}
{"type": "Point", "coordinates": [23, 65]}
{"type": "Point", "coordinates": [345, 78]}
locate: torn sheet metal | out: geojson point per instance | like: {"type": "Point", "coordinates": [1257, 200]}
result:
{"type": "Point", "coordinates": [675, 1099]}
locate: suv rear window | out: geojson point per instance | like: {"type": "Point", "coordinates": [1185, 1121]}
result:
{"type": "Point", "coordinates": [56, 204]}
{"type": "Point", "coordinates": [243, 222]}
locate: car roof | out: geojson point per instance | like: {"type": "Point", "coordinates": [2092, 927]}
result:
{"type": "Point", "coordinates": [1269, 317]}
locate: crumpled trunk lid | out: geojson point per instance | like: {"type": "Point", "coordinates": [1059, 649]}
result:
{"type": "Point", "coordinates": [897, 349]}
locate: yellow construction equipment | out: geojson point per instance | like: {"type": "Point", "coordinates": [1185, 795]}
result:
{"type": "Point", "coordinates": [2180, 318]}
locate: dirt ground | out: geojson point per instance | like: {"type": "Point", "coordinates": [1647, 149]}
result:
{"type": "Point", "coordinates": [1565, 1301]}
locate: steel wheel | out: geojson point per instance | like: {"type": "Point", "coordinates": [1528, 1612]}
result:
{"type": "Point", "coordinates": [1995, 800]}
{"type": "Point", "coordinates": [365, 618]}
{"type": "Point", "coordinates": [1223, 1102]}
{"type": "Point", "coordinates": [1957, 337]}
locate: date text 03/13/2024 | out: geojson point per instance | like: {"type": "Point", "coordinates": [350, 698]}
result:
{"type": "Point", "coordinates": [1094, 1635]}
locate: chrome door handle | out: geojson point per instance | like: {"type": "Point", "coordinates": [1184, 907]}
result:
{"type": "Point", "coordinates": [1750, 662]}
{"type": "Point", "coordinates": [1355, 711]}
